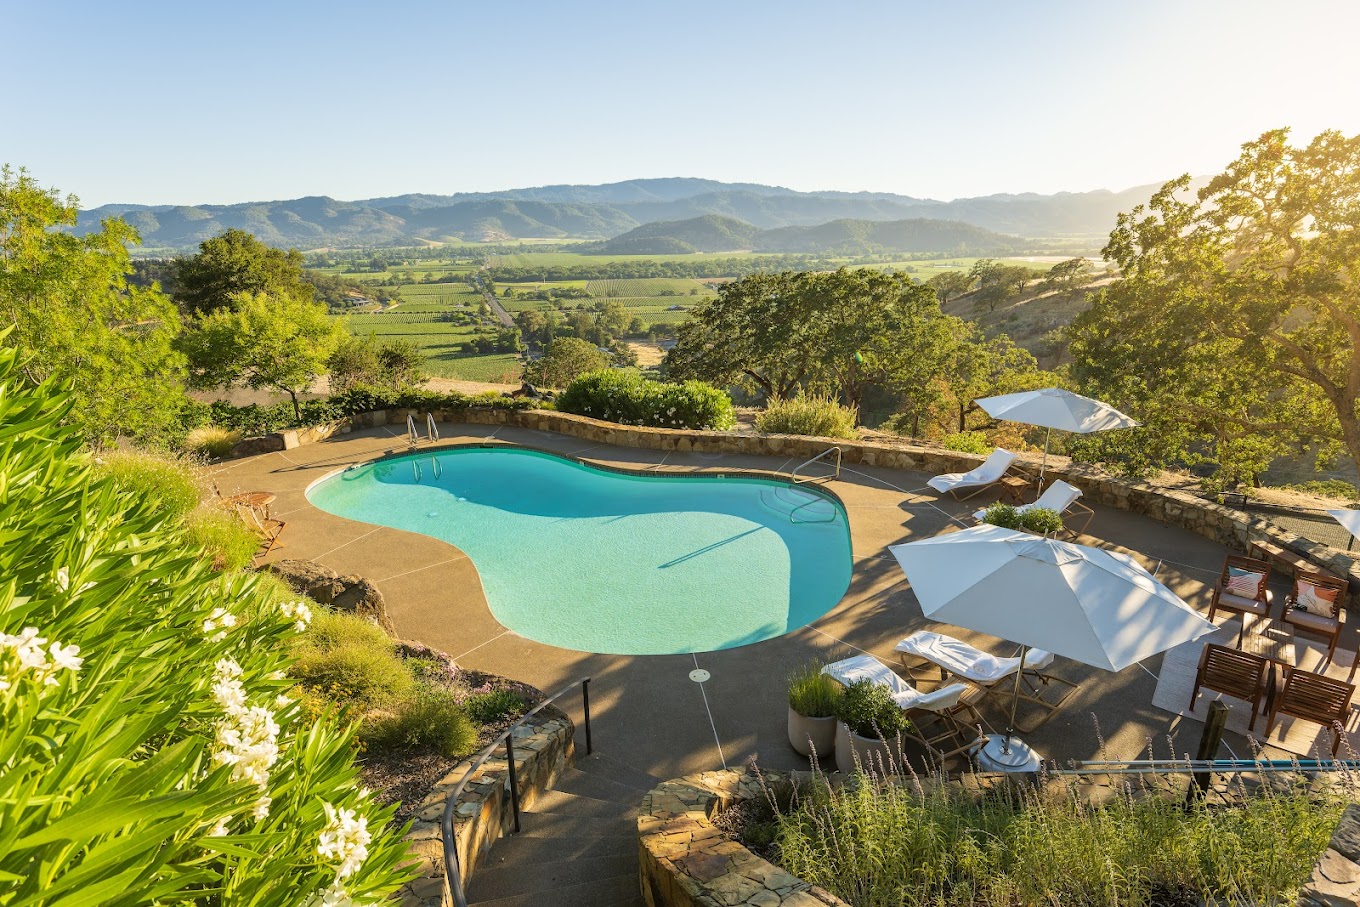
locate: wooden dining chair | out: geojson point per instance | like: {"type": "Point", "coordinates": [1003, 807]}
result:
{"type": "Point", "coordinates": [1314, 606]}
{"type": "Point", "coordinates": [267, 528]}
{"type": "Point", "coordinates": [1316, 698]}
{"type": "Point", "coordinates": [1234, 673]}
{"type": "Point", "coordinates": [1241, 588]}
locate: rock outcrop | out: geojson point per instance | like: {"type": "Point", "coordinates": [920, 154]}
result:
{"type": "Point", "coordinates": [349, 592]}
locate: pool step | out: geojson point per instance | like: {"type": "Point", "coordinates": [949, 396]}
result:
{"type": "Point", "coordinates": [577, 847]}
{"type": "Point", "coordinates": [799, 506]}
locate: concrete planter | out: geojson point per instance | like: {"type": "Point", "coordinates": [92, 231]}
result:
{"type": "Point", "coordinates": [807, 735]}
{"type": "Point", "coordinates": [870, 752]}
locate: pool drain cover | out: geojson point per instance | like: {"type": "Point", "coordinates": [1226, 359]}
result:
{"type": "Point", "coordinates": [699, 675]}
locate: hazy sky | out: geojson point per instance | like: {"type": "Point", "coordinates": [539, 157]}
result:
{"type": "Point", "coordinates": [194, 103]}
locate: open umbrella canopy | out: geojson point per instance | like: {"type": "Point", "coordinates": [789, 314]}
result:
{"type": "Point", "coordinates": [1093, 606]}
{"type": "Point", "coordinates": [1054, 407]}
{"type": "Point", "coordinates": [1348, 518]}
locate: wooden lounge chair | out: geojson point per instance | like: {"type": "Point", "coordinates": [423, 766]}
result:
{"type": "Point", "coordinates": [1241, 588]}
{"type": "Point", "coordinates": [1314, 606]}
{"type": "Point", "coordinates": [944, 721]}
{"type": "Point", "coordinates": [1316, 698]}
{"type": "Point", "coordinates": [1061, 498]}
{"type": "Point", "coordinates": [977, 480]}
{"type": "Point", "coordinates": [995, 676]}
{"type": "Point", "coordinates": [1234, 673]}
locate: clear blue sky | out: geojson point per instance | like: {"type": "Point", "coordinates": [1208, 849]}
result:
{"type": "Point", "coordinates": [223, 102]}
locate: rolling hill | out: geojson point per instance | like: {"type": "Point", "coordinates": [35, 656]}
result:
{"type": "Point", "coordinates": [845, 237]}
{"type": "Point", "coordinates": [608, 211]}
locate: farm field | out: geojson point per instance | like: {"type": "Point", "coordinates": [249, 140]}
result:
{"type": "Point", "coordinates": [649, 286]}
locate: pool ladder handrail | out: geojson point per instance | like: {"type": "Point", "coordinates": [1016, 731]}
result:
{"type": "Point", "coordinates": [435, 470]}
{"type": "Point", "coordinates": [431, 430]}
{"type": "Point", "coordinates": [835, 472]}
{"type": "Point", "coordinates": [797, 505]}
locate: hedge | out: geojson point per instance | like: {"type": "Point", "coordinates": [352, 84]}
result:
{"type": "Point", "coordinates": [630, 399]}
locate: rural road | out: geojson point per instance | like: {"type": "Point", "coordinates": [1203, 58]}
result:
{"type": "Point", "coordinates": [496, 308]}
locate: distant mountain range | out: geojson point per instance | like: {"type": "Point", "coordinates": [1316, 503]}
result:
{"type": "Point", "coordinates": [605, 212]}
{"type": "Point", "coordinates": [844, 237]}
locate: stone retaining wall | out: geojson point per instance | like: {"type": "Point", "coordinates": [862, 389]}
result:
{"type": "Point", "coordinates": [686, 861]}
{"type": "Point", "coordinates": [1336, 876]}
{"type": "Point", "coordinates": [543, 749]}
{"type": "Point", "coordinates": [1168, 505]}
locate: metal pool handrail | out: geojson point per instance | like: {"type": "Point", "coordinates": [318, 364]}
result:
{"type": "Point", "coordinates": [452, 877]}
{"type": "Point", "coordinates": [836, 470]}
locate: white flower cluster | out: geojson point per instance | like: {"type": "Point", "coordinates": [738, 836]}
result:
{"type": "Point", "coordinates": [344, 841]}
{"type": "Point", "coordinates": [247, 736]}
{"type": "Point", "coordinates": [299, 613]}
{"type": "Point", "coordinates": [218, 623]}
{"type": "Point", "coordinates": [42, 665]}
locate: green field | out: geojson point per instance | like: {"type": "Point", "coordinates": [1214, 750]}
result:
{"type": "Point", "coordinates": [651, 286]}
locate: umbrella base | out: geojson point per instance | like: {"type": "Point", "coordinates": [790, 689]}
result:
{"type": "Point", "coordinates": [1021, 758]}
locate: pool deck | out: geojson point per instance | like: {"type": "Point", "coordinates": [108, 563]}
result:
{"type": "Point", "coordinates": [646, 712]}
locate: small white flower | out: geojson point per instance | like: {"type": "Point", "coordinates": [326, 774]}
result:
{"type": "Point", "coordinates": [299, 612]}
{"type": "Point", "coordinates": [261, 809]}
{"type": "Point", "coordinates": [64, 658]}
{"type": "Point", "coordinates": [218, 623]}
{"type": "Point", "coordinates": [220, 829]}
{"type": "Point", "coordinates": [63, 578]}
{"type": "Point", "coordinates": [344, 840]}
{"type": "Point", "coordinates": [282, 701]}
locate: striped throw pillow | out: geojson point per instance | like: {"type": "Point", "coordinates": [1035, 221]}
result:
{"type": "Point", "coordinates": [1245, 583]}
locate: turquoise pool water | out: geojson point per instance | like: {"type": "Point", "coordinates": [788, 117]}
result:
{"type": "Point", "coordinates": [604, 562]}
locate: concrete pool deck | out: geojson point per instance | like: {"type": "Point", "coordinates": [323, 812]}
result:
{"type": "Point", "coordinates": [646, 712]}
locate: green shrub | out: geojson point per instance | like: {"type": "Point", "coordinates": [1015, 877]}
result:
{"type": "Point", "coordinates": [868, 709]}
{"type": "Point", "coordinates": [1002, 514]}
{"type": "Point", "coordinates": [812, 693]}
{"type": "Point", "coordinates": [351, 662]}
{"type": "Point", "coordinates": [1041, 520]}
{"type": "Point", "coordinates": [226, 541]}
{"type": "Point", "coordinates": [159, 765]}
{"type": "Point", "coordinates": [884, 844]}
{"type": "Point", "coordinates": [163, 482]}
{"type": "Point", "coordinates": [211, 441]}
{"type": "Point", "coordinates": [818, 417]}
{"type": "Point", "coordinates": [495, 706]}
{"type": "Point", "coordinates": [1327, 488]}
{"type": "Point", "coordinates": [630, 399]}
{"type": "Point", "coordinates": [430, 720]}
{"type": "Point", "coordinates": [974, 442]}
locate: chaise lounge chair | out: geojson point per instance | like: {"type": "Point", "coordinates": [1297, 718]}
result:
{"type": "Point", "coordinates": [994, 676]}
{"type": "Point", "coordinates": [944, 721]}
{"type": "Point", "coordinates": [976, 480]}
{"type": "Point", "coordinates": [1061, 498]}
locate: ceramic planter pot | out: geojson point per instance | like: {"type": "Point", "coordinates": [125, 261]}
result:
{"type": "Point", "coordinates": [868, 752]}
{"type": "Point", "coordinates": [820, 733]}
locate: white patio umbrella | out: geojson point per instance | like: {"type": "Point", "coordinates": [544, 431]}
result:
{"type": "Point", "coordinates": [1052, 408]}
{"type": "Point", "coordinates": [1090, 605]}
{"type": "Point", "coordinates": [1348, 518]}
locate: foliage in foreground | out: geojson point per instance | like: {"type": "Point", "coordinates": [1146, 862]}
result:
{"type": "Point", "coordinates": [808, 414]}
{"type": "Point", "coordinates": [881, 844]}
{"type": "Point", "coordinates": [1040, 520]}
{"type": "Point", "coordinates": [630, 399]}
{"type": "Point", "coordinates": [151, 754]}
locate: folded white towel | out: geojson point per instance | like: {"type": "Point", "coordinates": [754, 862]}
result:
{"type": "Point", "coordinates": [959, 658]}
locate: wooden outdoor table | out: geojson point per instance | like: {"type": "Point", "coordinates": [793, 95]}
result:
{"type": "Point", "coordinates": [255, 500]}
{"type": "Point", "coordinates": [1273, 641]}
{"type": "Point", "coordinates": [1014, 489]}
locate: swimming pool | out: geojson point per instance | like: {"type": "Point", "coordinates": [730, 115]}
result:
{"type": "Point", "coordinates": [601, 561]}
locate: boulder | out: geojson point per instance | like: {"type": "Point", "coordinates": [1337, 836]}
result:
{"type": "Point", "coordinates": [342, 592]}
{"type": "Point", "coordinates": [249, 447]}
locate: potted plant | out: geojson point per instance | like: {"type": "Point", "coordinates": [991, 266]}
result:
{"type": "Point", "coordinates": [868, 732]}
{"type": "Point", "coordinates": [813, 697]}
{"type": "Point", "coordinates": [1039, 520]}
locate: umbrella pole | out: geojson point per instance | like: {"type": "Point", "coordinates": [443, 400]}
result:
{"type": "Point", "coordinates": [1015, 700]}
{"type": "Point", "coordinates": [1048, 432]}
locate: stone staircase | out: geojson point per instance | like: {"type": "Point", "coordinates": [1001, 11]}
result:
{"type": "Point", "coordinates": [577, 846]}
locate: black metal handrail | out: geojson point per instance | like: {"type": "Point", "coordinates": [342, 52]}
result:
{"type": "Point", "coordinates": [452, 877]}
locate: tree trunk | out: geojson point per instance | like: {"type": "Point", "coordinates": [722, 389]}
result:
{"type": "Point", "coordinates": [963, 414]}
{"type": "Point", "coordinates": [297, 410]}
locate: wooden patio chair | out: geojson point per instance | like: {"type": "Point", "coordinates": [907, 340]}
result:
{"type": "Point", "coordinates": [1314, 606]}
{"type": "Point", "coordinates": [1241, 588]}
{"type": "Point", "coordinates": [1316, 698]}
{"type": "Point", "coordinates": [949, 730]}
{"type": "Point", "coordinates": [267, 528]}
{"type": "Point", "coordinates": [1234, 673]}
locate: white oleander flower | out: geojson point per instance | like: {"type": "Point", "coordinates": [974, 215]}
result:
{"type": "Point", "coordinates": [299, 612]}
{"type": "Point", "coordinates": [261, 809]}
{"type": "Point", "coordinates": [218, 623]}
{"type": "Point", "coordinates": [220, 829]}
{"type": "Point", "coordinates": [344, 841]}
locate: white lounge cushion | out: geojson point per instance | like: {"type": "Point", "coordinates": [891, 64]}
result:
{"type": "Point", "coordinates": [959, 658]}
{"type": "Point", "coordinates": [1057, 497]}
{"type": "Point", "coordinates": [991, 470]}
{"type": "Point", "coordinates": [867, 667]}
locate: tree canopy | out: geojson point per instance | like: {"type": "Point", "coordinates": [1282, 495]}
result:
{"type": "Point", "coordinates": [563, 360]}
{"type": "Point", "coordinates": [1234, 329]}
{"type": "Point", "coordinates": [261, 341]}
{"type": "Point", "coordinates": [234, 263]}
{"type": "Point", "coordinates": [66, 300]}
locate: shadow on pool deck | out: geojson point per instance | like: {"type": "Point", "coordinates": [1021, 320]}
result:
{"type": "Point", "coordinates": [647, 713]}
